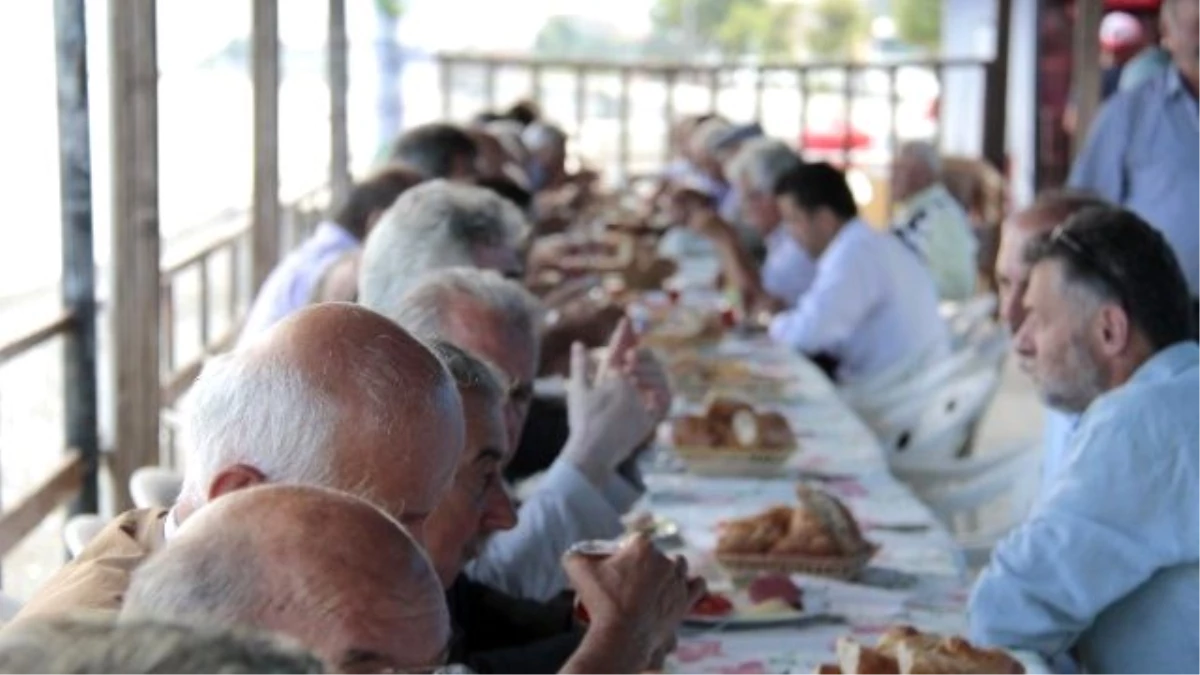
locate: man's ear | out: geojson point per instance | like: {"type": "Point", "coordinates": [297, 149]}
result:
{"type": "Point", "coordinates": [236, 477]}
{"type": "Point", "coordinates": [1112, 329]}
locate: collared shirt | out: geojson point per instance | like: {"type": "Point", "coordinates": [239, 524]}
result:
{"type": "Point", "coordinates": [788, 270]}
{"type": "Point", "coordinates": [1143, 153]}
{"type": "Point", "coordinates": [937, 226]}
{"type": "Point", "coordinates": [1107, 564]}
{"type": "Point", "coordinates": [565, 508]}
{"type": "Point", "coordinates": [291, 284]}
{"type": "Point", "coordinates": [872, 304]}
{"type": "Point", "coordinates": [1151, 62]}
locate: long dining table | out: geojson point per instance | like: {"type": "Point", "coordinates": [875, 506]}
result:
{"type": "Point", "coordinates": [917, 577]}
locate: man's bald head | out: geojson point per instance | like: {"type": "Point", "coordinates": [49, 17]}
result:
{"type": "Point", "coordinates": [336, 396]}
{"type": "Point", "coordinates": [323, 567]}
{"type": "Point", "coordinates": [1012, 272]}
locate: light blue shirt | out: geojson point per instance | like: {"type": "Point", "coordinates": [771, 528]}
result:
{"type": "Point", "coordinates": [872, 305]}
{"type": "Point", "coordinates": [1107, 564]}
{"type": "Point", "coordinates": [291, 284]}
{"type": "Point", "coordinates": [788, 270]}
{"type": "Point", "coordinates": [1143, 153]}
{"type": "Point", "coordinates": [1056, 438]}
{"type": "Point", "coordinates": [565, 508]}
{"type": "Point", "coordinates": [1149, 63]}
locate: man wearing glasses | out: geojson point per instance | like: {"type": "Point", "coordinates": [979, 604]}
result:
{"type": "Point", "coordinates": [1105, 568]}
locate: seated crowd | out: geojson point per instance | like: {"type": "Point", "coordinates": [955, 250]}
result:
{"type": "Point", "coordinates": [347, 482]}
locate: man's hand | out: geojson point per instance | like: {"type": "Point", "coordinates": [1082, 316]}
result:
{"type": "Point", "coordinates": [636, 599]}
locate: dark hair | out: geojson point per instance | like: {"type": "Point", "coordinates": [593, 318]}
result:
{"type": "Point", "coordinates": [818, 184]}
{"type": "Point", "coordinates": [1121, 258]}
{"type": "Point", "coordinates": [524, 112]}
{"type": "Point", "coordinates": [486, 117]}
{"type": "Point", "coordinates": [434, 148]}
{"type": "Point", "coordinates": [375, 193]}
{"type": "Point", "coordinates": [507, 188]}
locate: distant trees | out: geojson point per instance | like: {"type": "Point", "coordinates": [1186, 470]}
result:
{"type": "Point", "coordinates": [919, 22]}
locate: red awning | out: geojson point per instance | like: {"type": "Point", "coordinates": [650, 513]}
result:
{"type": "Point", "coordinates": [1132, 5]}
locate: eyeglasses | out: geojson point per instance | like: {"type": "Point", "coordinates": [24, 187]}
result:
{"type": "Point", "coordinates": [1112, 275]}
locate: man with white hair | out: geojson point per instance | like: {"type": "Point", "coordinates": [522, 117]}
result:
{"type": "Point", "coordinates": [435, 225]}
{"type": "Point", "coordinates": [593, 481]}
{"type": "Point", "coordinates": [788, 270]}
{"type": "Point", "coordinates": [321, 567]}
{"type": "Point", "coordinates": [271, 412]}
{"type": "Point", "coordinates": [932, 221]}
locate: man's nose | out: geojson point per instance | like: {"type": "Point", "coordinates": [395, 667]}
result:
{"type": "Point", "coordinates": [501, 513]}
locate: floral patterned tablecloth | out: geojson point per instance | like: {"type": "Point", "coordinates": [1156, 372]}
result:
{"type": "Point", "coordinates": [916, 578]}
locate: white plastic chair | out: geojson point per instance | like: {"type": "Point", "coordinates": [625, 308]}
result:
{"type": "Point", "coordinates": [939, 425]}
{"type": "Point", "coordinates": [80, 530]}
{"type": "Point", "coordinates": [155, 487]}
{"type": "Point", "coordinates": [965, 492]}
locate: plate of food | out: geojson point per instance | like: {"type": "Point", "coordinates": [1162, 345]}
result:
{"type": "Point", "coordinates": [765, 600]}
{"type": "Point", "coordinates": [732, 437]}
{"type": "Point", "coordinates": [904, 649]}
{"type": "Point", "coordinates": [695, 376]}
{"type": "Point", "coordinates": [817, 536]}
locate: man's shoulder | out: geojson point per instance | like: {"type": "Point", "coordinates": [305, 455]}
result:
{"type": "Point", "coordinates": [97, 578]}
{"type": "Point", "coordinates": [1150, 406]}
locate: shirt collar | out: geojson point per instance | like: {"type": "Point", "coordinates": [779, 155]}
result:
{"type": "Point", "coordinates": [1168, 362]}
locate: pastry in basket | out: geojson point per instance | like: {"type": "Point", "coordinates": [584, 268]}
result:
{"type": "Point", "coordinates": [695, 376]}
{"type": "Point", "coordinates": [819, 527]}
{"type": "Point", "coordinates": [729, 423]}
{"type": "Point", "coordinates": [680, 327]}
{"type": "Point", "coordinates": [904, 649]}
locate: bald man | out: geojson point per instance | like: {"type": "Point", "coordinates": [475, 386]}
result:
{"type": "Point", "coordinates": [335, 396]}
{"type": "Point", "coordinates": [1012, 279]}
{"type": "Point", "coordinates": [322, 567]}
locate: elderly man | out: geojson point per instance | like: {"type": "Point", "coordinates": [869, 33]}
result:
{"type": "Point", "coordinates": [932, 221]}
{"type": "Point", "coordinates": [1143, 151]}
{"type": "Point", "coordinates": [872, 306]}
{"type": "Point", "coordinates": [1048, 211]}
{"type": "Point", "coordinates": [103, 645]}
{"type": "Point", "coordinates": [477, 505]}
{"type": "Point", "coordinates": [438, 150]}
{"type": "Point", "coordinates": [787, 271]}
{"type": "Point", "coordinates": [1106, 566]}
{"type": "Point", "coordinates": [593, 480]}
{"type": "Point", "coordinates": [271, 412]}
{"type": "Point", "coordinates": [296, 281]}
{"type": "Point", "coordinates": [322, 567]}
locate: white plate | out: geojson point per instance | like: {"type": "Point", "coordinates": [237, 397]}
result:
{"type": "Point", "coordinates": [816, 605]}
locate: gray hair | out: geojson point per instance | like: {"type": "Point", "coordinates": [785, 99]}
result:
{"type": "Point", "coordinates": [434, 225]}
{"type": "Point", "coordinates": [541, 135]}
{"type": "Point", "coordinates": [471, 373]}
{"type": "Point", "coordinates": [708, 135]}
{"type": "Point", "coordinates": [104, 645]}
{"type": "Point", "coordinates": [762, 162]}
{"type": "Point", "coordinates": [424, 310]}
{"type": "Point", "coordinates": [926, 154]}
{"type": "Point", "coordinates": [256, 408]}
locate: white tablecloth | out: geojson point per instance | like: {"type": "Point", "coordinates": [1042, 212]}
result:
{"type": "Point", "coordinates": [916, 578]}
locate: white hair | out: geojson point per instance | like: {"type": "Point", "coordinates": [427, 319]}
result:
{"type": "Point", "coordinates": [94, 644]}
{"type": "Point", "coordinates": [425, 309]}
{"type": "Point", "coordinates": [926, 154]}
{"type": "Point", "coordinates": [762, 162]}
{"type": "Point", "coordinates": [255, 408]}
{"type": "Point", "coordinates": [432, 226]}
{"type": "Point", "coordinates": [540, 135]}
{"type": "Point", "coordinates": [471, 373]}
{"type": "Point", "coordinates": [706, 137]}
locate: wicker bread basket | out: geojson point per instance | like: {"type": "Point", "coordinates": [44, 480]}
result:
{"type": "Point", "coordinates": [837, 567]}
{"type": "Point", "coordinates": [732, 461]}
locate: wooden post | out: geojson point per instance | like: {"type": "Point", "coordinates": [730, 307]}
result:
{"type": "Point", "coordinates": [339, 84]}
{"type": "Point", "coordinates": [79, 276]}
{"type": "Point", "coordinates": [265, 75]}
{"type": "Point", "coordinates": [1085, 71]}
{"type": "Point", "coordinates": [135, 238]}
{"type": "Point", "coordinates": [995, 97]}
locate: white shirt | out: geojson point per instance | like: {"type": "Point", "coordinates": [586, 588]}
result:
{"type": "Point", "coordinates": [937, 226]}
{"type": "Point", "coordinates": [788, 270]}
{"type": "Point", "coordinates": [565, 508]}
{"type": "Point", "coordinates": [872, 304]}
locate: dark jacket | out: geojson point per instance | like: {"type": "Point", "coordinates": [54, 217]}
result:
{"type": "Point", "coordinates": [498, 633]}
